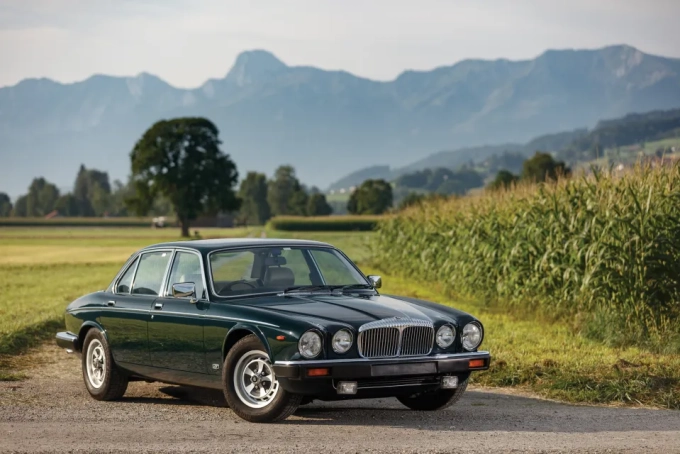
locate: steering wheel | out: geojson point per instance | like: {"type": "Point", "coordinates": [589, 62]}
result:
{"type": "Point", "coordinates": [242, 281]}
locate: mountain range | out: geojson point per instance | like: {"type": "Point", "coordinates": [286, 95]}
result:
{"type": "Point", "coordinates": [326, 123]}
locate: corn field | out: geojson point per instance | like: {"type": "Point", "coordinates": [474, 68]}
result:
{"type": "Point", "coordinates": [603, 250]}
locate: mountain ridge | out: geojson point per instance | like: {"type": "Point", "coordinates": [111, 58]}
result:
{"type": "Point", "coordinates": [327, 123]}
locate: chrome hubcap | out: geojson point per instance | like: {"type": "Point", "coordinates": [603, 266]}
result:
{"type": "Point", "coordinates": [95, 363]}
{"type": "Point", "coordinates": [254, 380]}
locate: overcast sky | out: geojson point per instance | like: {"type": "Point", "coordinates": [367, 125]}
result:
{"type": "Point", "coordinates": [188, 41]}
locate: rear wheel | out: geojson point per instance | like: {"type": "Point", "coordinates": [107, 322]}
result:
{"type": "Point", "coordinates": [103, 380]}
{"type": "Point", "coordinates": [434, 400]}
{"type": "Point", "coordinates": [250, 385]}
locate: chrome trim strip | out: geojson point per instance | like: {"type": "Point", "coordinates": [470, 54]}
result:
{"type": "Point", "coordinates": [409, 359]}
{"type": "Point", "coordinates": [161, 312]}
{"type": "Point", "coordinates": [167, 283]}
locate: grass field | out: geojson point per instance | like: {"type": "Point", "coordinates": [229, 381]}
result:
{"type": "Point", "coordinates": [44, 269]}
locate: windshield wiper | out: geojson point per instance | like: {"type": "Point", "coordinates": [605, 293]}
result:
{"type": "Point", "coordinates": [342, 288]}
{"type": "Point", "coordinates": [305, 289]}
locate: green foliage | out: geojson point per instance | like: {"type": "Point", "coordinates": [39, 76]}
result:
{"type": "Point", "coordinates": [603, 251]}
{"type": "Point", "coordinates": [504, 180]}
{"type": "Point", "coordinates": [285, 193]}
{"type": "Point", "coordinates": [441, 180]}
{"type": "Point", "coordinates": [543, 167]}
{"type": "Point", "coordinates": [5, 205]}
{"type": "Point", "coordinates": [412, 198]}
{"type": "Point", "coordinates": [41, 198]}
{"type": "Point", "coordinates": [91, 190]}
{"type": "Point", "coordinates": [323, 223]}
{"type": "Point", "coordinates": [253, 195]}
{"type": "Point", "coordinates": [372, 197]}
{"type": "Point", "coordinates": [181, 160]}
{"type": "Point", "coordinates": [318, 206]}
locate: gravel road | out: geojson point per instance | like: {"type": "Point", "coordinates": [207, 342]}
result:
{"type": "Point", "coordinates": [51, 412]}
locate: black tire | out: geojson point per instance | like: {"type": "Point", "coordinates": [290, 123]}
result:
{"type": "Point", "coordinates": [114, 382]}
{"type": "Point", "coordinates": [434, 400]}
{"type": "Point", "coordinates": [282, 405]}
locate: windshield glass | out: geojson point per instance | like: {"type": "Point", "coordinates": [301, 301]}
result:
{"type": "Point", "coordinates": [277, 269]}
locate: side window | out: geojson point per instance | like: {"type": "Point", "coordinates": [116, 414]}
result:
{"type": "Point", "coordinates": [150, 272]}
{"type": "Point", "coordinates": [125, 281]}
{"type": "Point", "coordinates": [297, 263]}
{"type": "Point", "coordinates": [187, 268]}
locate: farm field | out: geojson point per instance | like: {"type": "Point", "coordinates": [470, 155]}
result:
{"type": "Point", "coordinates": [44, 269]}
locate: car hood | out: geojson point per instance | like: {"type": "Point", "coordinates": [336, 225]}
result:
{"type": "Point", "coordinates": [356, 310]}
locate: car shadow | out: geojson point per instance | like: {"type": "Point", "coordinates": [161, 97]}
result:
{"type": "Point", "coordinates": [478, 411]}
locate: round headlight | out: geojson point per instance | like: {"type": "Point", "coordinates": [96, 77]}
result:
{"type": "Point", "coordinates": [342, 341]}
{"type": "Point", "coordinates": [310, 344]}
{"type": "Point", "coordinates": [445, 336]}
{"type": "Point", "coordinates": [472, 336]}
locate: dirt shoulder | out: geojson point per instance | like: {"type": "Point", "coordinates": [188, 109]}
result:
{"type": "Point", "coordinates": [51, 412]}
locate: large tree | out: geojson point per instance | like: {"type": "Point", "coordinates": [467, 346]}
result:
{"type": "Point", "coordinates": [372, 197]}
{"type": "Point", "coordinates": [41, 198]}
{"type": "Point", "coordinates": [285, 193]}
{"type": "Point", "coordinates": [318, 206]}
{"type": "Point", "coordinates": [92, 191]}
{"type": "Point", "coordinates": [253, 195]}
{"type": "Point", "coordinates": [504, 180]}
{"type": "Point", "coordinates": [542, 167]}
{"type": "Point", "coordinates": [181, 160]}
{"type": "Point", "coordinates": [5, 205]}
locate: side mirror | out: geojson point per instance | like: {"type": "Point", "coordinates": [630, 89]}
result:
{"type": "Point", "coordinates": [376, 281]}
{"type": "Point", "coordinates": [184, 290]}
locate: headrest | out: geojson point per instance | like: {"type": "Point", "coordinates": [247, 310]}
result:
{"type": "Point", "coordinates": [279, 277]}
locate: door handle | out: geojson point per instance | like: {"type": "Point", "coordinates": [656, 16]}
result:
{"type": "Point", "coordinates": [158, 306]}
{"type": "Point", "coordinates": [111, 303]}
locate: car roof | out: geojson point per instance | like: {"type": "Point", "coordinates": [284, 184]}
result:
{"type": "Point", "coordinates": [224, 243]}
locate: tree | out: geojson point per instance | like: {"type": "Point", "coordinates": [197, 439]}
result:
{"type": "Point", "coordinates": [5, 205]}
{"type": "Point", "coordinates": [92, 191]}
{"type": "Point", "coordinates": [253, 195]}
{"type": "Point", "coordinates": [68, 205]}
{"type": "Point", "coordinates": [20, 208]}
{"type": "Point", "coordinates": [372, 197]}
{"type": "Point", "coordinates": [318, 206]}
{"type": "Point", "coordinates": [181, 160]}
{"type": "Point", "coordinates": [542, 167]}
{"type": "Point", "coordinates": [41, 198]}
{"type": "Point", "coordinates": [504, 180]}
{"type": "Point", "coordinates": [285, 193]}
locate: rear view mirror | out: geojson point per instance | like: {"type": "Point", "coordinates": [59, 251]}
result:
{"type": "Point", "coordinates": [184, 290]}
{"type": "Point", "coordinates": [376, 281]}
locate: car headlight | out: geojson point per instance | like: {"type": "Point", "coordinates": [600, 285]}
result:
{"type": "Point", "coordinates": [310, 344]}
{"type": "Point", "coordinates": [445, 336]}
{"type": "Point", "coordinates": [472, 336]}
{"type": "Point", "coordinates": [342, 341]}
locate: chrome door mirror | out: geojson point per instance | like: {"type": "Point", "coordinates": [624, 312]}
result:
{"type": "Point", "coordinates": [184, 290]}
{"type": "Point", "coordinates": [376, 281]}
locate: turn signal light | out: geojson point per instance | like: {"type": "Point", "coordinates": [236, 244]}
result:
{"type": "Point", "coordinates": [474, 363]}
{"type": "Point", "coordinates": [320, 372]}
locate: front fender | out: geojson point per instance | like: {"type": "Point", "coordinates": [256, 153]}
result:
{"type": "Point", "coordinates": [239, 328]}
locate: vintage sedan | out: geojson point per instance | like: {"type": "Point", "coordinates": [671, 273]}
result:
{"type": "Point", "coordinates": [272, 323]}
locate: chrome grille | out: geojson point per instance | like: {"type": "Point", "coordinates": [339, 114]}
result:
{"type": "Point", "coordinates": [393, 337]}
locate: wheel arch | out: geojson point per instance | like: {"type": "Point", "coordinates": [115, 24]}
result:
{"type": "Point", "coordinates": [84, 328]}
{"type": "Point", "coordinates": [238, 332]}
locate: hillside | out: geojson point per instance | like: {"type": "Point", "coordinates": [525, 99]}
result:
{"type": "Point", "coordinates": [327, 123]}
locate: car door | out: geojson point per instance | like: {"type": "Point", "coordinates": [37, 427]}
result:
{"type": "Point", "coordinates": [126, 315]}
{"type": "Point", "coordinates": [176, 324]}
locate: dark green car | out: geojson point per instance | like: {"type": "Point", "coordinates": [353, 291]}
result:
{"type": "Point", "coordinates": [272, 323]}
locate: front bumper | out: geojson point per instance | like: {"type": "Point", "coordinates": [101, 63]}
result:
{"type": "Point", "coordinates": [295, 376]}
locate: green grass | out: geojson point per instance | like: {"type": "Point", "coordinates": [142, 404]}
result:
{"type": "Point", "coordinates": [553, 360]}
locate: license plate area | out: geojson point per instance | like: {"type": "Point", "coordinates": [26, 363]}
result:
{"type": "Point", "coordinates": [403, 369]}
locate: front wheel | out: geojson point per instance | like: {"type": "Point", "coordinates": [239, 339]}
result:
{"type": "Point", "coordinates": [250, 386]}
{"type": "Point", "coordinates": [103, 380]}
{"type": "Point", "coordinates": [434, 400]}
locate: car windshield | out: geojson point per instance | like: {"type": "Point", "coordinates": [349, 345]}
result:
{"type": "Point", "coordinates": [282, 269]}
